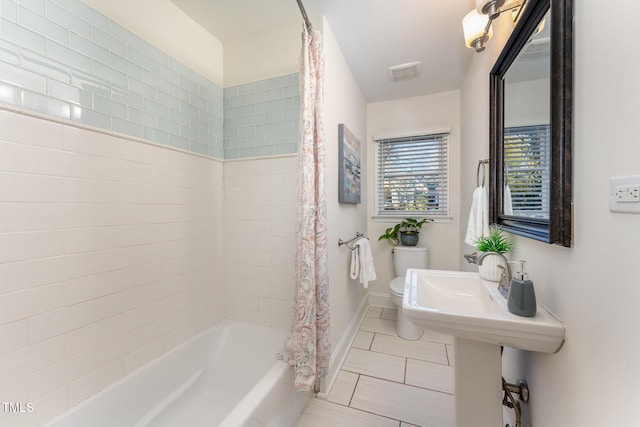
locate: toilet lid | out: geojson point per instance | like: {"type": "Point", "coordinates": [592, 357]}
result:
{"type": "Point", "coordinates": [397, 285]}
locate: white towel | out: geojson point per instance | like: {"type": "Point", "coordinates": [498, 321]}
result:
{"type": "Point", "coordinates": [362, 262]}
{"type": "Point", "coordinates": [507, 209]}
{"type": "Point", "coordinates": [355, 263]}
{"type": "Point", "coordinates": [478, 225]}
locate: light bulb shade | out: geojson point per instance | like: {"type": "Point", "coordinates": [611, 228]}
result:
{"type": "Point", "coordinates": [473, 25]}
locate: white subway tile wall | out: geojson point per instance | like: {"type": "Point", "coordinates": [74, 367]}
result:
{"type": "Point", "coordinates": [110, 255]}
{"type": "Point", "coordinates": [262, 118]}
{"type": "Point", "coordinates": [65, 59]}
{"type": "Point", "coordinates": [260, 212]}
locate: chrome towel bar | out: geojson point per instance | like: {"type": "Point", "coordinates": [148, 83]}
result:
{"type": "Point", "coordinates": [349, 242]}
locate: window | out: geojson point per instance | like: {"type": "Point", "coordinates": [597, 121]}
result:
{"type": "Point", "coordinates": [413, 176]}
{"type": "Point", "coordinates": [527, 159]}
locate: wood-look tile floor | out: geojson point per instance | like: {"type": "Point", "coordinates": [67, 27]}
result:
{"type": "Point", "coordinates": [388, 381]}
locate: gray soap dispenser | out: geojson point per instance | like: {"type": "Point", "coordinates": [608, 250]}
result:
{"type": "Point", "coordinates": [522, 298]}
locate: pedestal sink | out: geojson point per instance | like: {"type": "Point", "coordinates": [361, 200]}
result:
{"type": "Point", "coordinates": [473, 311]}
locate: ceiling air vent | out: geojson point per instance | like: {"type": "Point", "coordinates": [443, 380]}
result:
{"type": "Point", "coordinates": [407, 71]}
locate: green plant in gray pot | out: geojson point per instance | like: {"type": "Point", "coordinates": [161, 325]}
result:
{"type": "Point", "coordinates": [406, 232]}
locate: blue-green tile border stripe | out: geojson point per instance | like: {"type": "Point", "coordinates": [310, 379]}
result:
{"type": "Point", "coordinates": [64, 59]}
{"type": "Point", "coordinates": [262, 118]}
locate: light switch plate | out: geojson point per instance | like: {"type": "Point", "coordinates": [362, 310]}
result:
{"type": "Point", "coordinates": [624, 194]}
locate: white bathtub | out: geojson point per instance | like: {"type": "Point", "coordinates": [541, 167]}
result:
{"type": "Point", "coordinates": [227, 376]}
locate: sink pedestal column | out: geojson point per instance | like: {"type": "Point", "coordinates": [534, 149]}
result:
{"type": "Point", "coordinates": [478, 379]}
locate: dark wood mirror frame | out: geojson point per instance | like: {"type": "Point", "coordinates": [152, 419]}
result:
{"type": "Point", "coordinates": [558, 229]}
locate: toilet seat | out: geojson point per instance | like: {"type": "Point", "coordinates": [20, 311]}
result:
{"type": "Point", "coordinates": [397, 286]}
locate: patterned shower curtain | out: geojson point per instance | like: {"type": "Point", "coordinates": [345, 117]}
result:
{"type": "Point", "coordinates": [308, 348]}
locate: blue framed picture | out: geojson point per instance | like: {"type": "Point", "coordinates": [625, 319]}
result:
{"type": "Point", "coordinates": [348, 166]}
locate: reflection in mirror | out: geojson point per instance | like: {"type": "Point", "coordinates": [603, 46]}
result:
{"type": "Point", "coordinates": [530, 125]}
{"type": "Point", "coordinates": [527, 129]}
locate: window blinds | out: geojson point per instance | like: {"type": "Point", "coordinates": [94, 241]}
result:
{"type": "Point", "coordinates": [527, 160]}
{"type": "Point", "coordinates": [413, 175]}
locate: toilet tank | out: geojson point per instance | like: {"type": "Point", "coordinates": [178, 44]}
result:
{"type": "Point", "coordinates": [405, 257]}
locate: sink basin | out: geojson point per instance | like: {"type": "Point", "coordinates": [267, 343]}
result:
{"type": "Point", "coordinates": [464, 305]}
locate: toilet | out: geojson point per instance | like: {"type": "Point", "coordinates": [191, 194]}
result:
{"type": "Point", "coordinates": [404, 258]}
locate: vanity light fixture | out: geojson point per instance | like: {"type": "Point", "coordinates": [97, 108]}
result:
{"type": "Point", "coordinates": [477, 30]}
{"type": "Point", "coordinates": [477, 23]}
{"type": "Point", "coordinates": [489, 7]}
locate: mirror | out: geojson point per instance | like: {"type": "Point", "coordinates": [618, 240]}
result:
{"type": "Point", "coordinates": [530, 129]}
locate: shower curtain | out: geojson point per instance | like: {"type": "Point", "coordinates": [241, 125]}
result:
{"type": "Point", "coordinates": [308, 348]}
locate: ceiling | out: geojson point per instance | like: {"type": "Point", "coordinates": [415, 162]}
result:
{"type": "Point", "coordinates": [373, 35]}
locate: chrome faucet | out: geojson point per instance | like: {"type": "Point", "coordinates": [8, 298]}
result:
{"type": "Point", "coordinates": [505, 276]}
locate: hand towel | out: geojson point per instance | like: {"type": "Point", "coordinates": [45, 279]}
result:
{"type": "Point", "coordinates": [362, 262]}
{"type": "Point", "coordinates": [355, 263]}
{"type": "Point", "coordinates": [507, 209]}
{"type": "Point", "coordinates": [478, 225]}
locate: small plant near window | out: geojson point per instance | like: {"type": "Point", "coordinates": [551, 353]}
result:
{"type": "Point", "coordinates": [405, 232]}
{"type": "Point", "coordinates": [496, 241]}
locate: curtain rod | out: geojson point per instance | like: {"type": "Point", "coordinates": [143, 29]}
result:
{"type": "Point", "coordinates": [304, 15]}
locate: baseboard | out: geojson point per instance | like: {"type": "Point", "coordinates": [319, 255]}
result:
{"type": "Point", "coordinates": [381, 299]}
{"type": "Point", "coordinates": [340, 350]}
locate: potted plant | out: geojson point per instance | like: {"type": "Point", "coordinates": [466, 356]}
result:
{"type": "Point", "coordinates": [406, 232]}
{"type": "Point", "coordinates": [497, 242]}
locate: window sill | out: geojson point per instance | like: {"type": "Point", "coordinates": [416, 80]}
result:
{"type": "Point", "coordinates": [398, 218]}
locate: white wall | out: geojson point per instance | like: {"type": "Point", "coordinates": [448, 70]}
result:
{"type": "Point", "coordinates": [474, 115]}
{"type": "Point", "coordinates": [260, 196]}
{"type": "Point", "coordinates": [262, 56]}
{"type": "Point", "coordinates": [268, 54]}
{"type": "Point", "coordinates": [592, 287]}
{"type": "Point", "coordinates": [260, 224]}
{"type": "Point", "coordinates": [344, 103]}
{"type": "Point", "coordinates": [109, 256]}
{"type": "Point", "coordinates": [167, 27]}
{"type": "Point", "coordinates": [400, 117]}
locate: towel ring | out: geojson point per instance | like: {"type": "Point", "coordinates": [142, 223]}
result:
{"type": "Point", "coordinates": [481, 163]}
